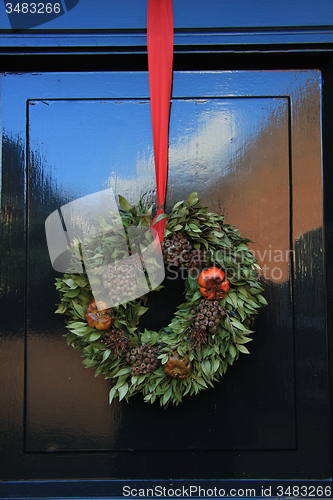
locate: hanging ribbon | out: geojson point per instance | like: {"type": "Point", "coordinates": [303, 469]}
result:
{"type": "Point", "coordinates": [160, 56]}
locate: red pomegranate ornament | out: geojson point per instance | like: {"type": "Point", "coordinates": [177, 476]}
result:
{"type": "Point", "coordinates": [213, 284]}
{"type": "Point", "coordinates": [99, 315]}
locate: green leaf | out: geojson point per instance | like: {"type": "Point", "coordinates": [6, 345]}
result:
{"type": "Point", "coordinates": [112, 394]}
{"type": "Point", "coordinates": [238, 324]}
{"type": "Point", "coordinates": [78, 324]}
{"type": "Point", "coordinates": [202, 382]}
{"type": "Point", "coordinates": [232, 298]}
{"type": "Point", "coordinates": [243, 340]}
{"type": "Point", "coordinates": [106, 355]}
{"type": "Point", "coordinates": [94, 336]}
{"type": "Point", "coordinates": [176, 205]}
{"type": "Point", "coordinates": [243, 349]}
{"type": "Point", "coordinates": [188, 388]}
{"type": "Point", "coordinates": [242, 290]}
{"type": "Point", "coordinates": [232, 351]}
{"type": "Point", "coordinates": [160, 217]}
{"type": "Point", "coordinates": [99, 370]}
{"type": "Point", "coordinates": [123, 371]}
{"type": "Point", "coordinates": [192, 197]}
{"type": "Point", "coordinates": [194, 201]}
{"type": "Point", "coordinates": [73, 293]}
{"type": "Point", "coordinates": [194, 228]}
{"type": "Point", "coordinates": [61, 309]}
{"type": "Point", "coordinates": [196, 296]}
{"type": "Point", "coordinates": [206, 368]}
{"type": "Point", "coordinates": [71, 283]}
{"type": "Point", "coordinates": [142, 310]}
{"type": "Point", "coordinates": [124, 203]}
{"type": "Point", "coordinates": [193, 282]}
{"type": "Point", "coordinates": [167, 395]}
{"type": "Point", "coordinates": [79, 309]}
{"type": "Point", "coordinates": [123, 390]}
{"type": "Point", "coordinates": [261, 299]}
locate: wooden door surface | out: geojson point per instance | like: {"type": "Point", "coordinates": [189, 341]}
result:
{"type": "Point", "coordinates": [250, 143]}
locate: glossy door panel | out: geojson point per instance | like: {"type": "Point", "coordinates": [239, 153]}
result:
{"type": "Point", "coordinates": [213, 149]}
{"type": "Point", "coordinates": [249, 143]}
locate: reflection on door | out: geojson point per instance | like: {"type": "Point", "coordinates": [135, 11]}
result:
{"type": "Point", "coordinates": [235, 153]}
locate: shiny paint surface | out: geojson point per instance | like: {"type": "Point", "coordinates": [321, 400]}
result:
{"type": "Point", "coordinates": [223, 40]}
{"type": "Point", "coordinates": [89, 14]}
{"type": "Point", "coordinates": [206, 149]}
{"type": "Point", "coordinates": [249, 142]}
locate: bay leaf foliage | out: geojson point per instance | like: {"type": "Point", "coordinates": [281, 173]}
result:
{"type": "Point", "coordinates": [223, 247]}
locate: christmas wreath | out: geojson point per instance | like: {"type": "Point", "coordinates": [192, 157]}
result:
{"type": "Point", "coordinates": [208, 331]}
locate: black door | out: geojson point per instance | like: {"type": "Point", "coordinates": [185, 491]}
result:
{"type": "Point", "coordinates": [250, 144]}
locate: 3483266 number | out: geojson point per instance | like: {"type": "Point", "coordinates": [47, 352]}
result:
{"type": "Point", "coordinates": [33, 8]}
{"type": "Point", "coordinates": [305, 491]}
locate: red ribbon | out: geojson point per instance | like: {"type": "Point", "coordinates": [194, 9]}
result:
{"type": "Point", "coordinates": [160, 56]}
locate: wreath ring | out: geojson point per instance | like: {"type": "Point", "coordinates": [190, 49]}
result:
{"type": "Point", "coordinates": [208, 331]}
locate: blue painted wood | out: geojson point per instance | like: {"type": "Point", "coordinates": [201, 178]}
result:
{"type": "Point", "coordinates": [225, 39]}
{"type": "Point", "coordinates": [189, 14]}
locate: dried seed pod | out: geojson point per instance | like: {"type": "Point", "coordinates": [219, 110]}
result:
{"type": "Point", "coordinates": [144, 356]}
